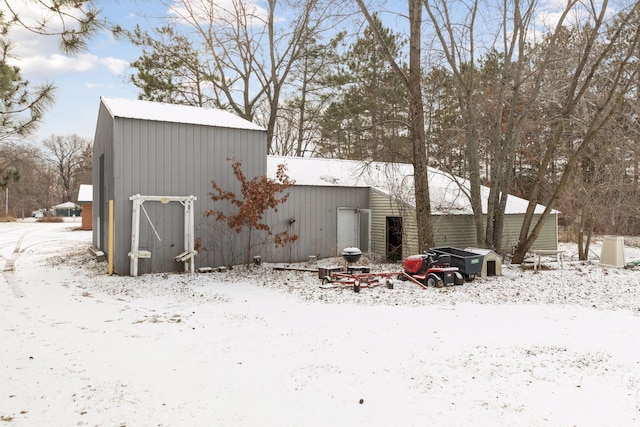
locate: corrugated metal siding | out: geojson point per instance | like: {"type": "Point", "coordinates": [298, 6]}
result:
{"type": "Point", "coordinates": [315, 210]}
{"type": "Point", "coordinates": [176, 159]}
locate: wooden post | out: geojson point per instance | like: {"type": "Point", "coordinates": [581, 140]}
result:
{"type": "Point", "coordinates": [110, 254]}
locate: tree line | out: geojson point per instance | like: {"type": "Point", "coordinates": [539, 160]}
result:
{"type": "Point", "coordinates": [543, 109]}
{"type": "Point", "coordinates": [513, 96]}
{"type": "Point", "coordinates": [41, 176]}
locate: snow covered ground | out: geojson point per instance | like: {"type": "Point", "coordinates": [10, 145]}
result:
{"type": "Point", "coordinates": [270, 348]}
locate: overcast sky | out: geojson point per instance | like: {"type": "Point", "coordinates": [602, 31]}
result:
{"type": "Point", "coordinates": [81, 79]}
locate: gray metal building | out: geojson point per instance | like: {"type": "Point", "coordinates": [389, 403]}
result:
{"type": "Point", "coordinates": [168, 151]}
{"type": "Point", "coordinates": [325, 219]}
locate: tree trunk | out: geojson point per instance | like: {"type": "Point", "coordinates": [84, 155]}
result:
{"type": "Point", "coordinates": [474, 174]}
{"type": "Point", "coordinates": [465, 77]}
{"type": "Point", "coordinates": [413, 83]}
{"type": "Point", "coordinates": [301, 109]}
{"type": "Point", "coordinates": [420, 170]}
{"type": "Point", "coordinates": [586, 226]}
{"type": "Point", "coordinates": [248, 256]}
{"type": "Point", "coordinates": [581, 252]}
{"type": "Point", "coordinates": [526, 239]}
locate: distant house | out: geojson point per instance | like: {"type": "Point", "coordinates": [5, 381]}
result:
{"type": "Point", "coordinates": [66, 209]}
{"type": "Point", "coordinates": [155, 163]}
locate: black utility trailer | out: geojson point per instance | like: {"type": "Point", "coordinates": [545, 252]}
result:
{"type": "Point", "coordinates": [469, 263]}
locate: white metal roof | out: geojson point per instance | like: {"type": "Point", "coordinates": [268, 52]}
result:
{"type": "Point", "coordinates": [85, 193]}
{"type": "Point", "coordinates": [162, 112]}
{"type": "Point", "coordinates": [448, 193]}
{"type": "Point", "coordinates": [65, 205]}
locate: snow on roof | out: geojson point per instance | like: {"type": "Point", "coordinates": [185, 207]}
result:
{"type": "Point", "coordinates": [66, 205]}
{"type": "Point", "coordinates": [448, 193]}
{"type": "Point", "coordinates": [85, 193]}
{"type": "Point", "coordinates": [162, 112]}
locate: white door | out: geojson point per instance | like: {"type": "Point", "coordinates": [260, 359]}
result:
{"type": "Point", "coordinates": [347, 228]}
{"type": "Point", "coordinates": [354, 229]}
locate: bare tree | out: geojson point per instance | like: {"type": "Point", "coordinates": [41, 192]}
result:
{"type": "Point", "coordinates": [602, 190]}
{"type": "Point", "coordinates": [247, 56]}
{"type": "Point", "coordinates": [606, 45]}
{"type": "Point", "coordinates": [461, 60]}
{"type": "Point", "coordinates": [68, 156]}
{"type": "Point", "coordinates": [523, 82]}
{"type": "Point", "coordinates": [33, 189]}
{"type": "Point", "coordinates": [508, 80]}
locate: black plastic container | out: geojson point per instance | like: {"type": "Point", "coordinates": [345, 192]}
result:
{"type": "Point", "coordinates": [469, 263]}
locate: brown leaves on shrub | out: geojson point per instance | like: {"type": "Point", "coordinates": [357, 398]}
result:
{"type": "Point", "coordinates": [257, 196]}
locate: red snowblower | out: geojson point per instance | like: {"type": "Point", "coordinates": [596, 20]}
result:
{"type": "Point", "coordinates": [432, 269]}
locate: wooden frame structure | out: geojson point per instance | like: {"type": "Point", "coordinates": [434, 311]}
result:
{"type": "Point", "coordinates": [189, 241]}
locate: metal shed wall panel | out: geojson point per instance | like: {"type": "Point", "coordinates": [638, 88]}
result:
{"type": "Point", "coordinates": [173, 159]}
{"type": "Point", "coordinates": [449, 230]}
{"type": "Point", "coordinates": [315, 211]}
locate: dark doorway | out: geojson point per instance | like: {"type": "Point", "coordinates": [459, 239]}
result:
{"type": "Point", "coordinates": [491, 268]}
{"type": "Point", "coordinates": [394, 238]}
